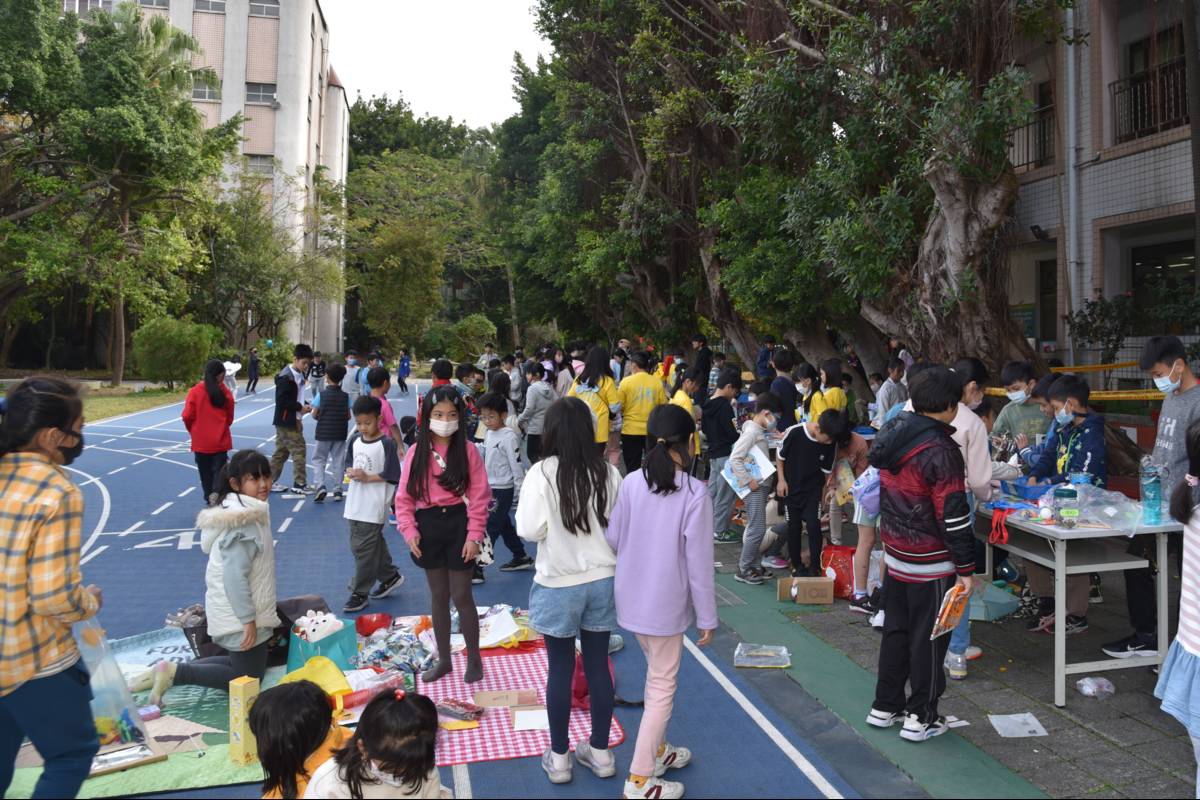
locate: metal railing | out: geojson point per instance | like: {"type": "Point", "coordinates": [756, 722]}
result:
{"type": "Point", "coordinates": [1150, 101]}
{"type": "Point", "coordinates": [1032, 145]}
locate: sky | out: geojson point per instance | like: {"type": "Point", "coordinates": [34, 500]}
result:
{"type": "Point", "coordinates": [446, 57]}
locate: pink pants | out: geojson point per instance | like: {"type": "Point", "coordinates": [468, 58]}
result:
{"type": "Point", "coordinates": [662, 669]}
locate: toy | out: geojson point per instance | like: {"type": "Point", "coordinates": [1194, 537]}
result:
{"type": "Point", "coordinates": [459, 709]}
{"type": "Point", "coordinates": [316, 625]}
{"type": "Point", "coordinates": [366, 624]}
{"type": "Point", "coordinates": [243, 747]}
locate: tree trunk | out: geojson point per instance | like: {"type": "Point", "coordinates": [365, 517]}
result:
{"type": "Point", "coordinates": [869, 344]}
{"type": "Point", "coordinates": [512, 306]}
{"type": "Point", "coordinates": [50, 340]}
{"type": "Point", "coordinates": [118, 339]}
{"type": "Point", "coordinates": [1191, 51]}
{"type": "Point", "coordinates": [812, 343]}
{"type": "Point", "coordinates": [720, 308]}
{"type": "Point", "coordinates": [11, 329]}
{"type": "Point", "coordinates": [89, 320]}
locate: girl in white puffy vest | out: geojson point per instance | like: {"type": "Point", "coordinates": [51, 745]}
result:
{"type": "Point", "coordinates": [239, 598]}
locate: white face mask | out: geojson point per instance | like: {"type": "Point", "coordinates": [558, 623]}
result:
{"type": "Point", "coordinates": [443, 427]}
{"type": "Point", "coordinates": [385, 778]}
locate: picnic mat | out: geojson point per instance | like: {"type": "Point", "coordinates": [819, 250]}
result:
{"type": "Point", "coordinates": [494, 739]}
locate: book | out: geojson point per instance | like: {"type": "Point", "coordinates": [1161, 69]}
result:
{"type": "Point", "coordinates": [759, 467]}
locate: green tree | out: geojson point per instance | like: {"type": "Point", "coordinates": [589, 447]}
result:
{"type": "Point", "coordinates": [379, 125]}
{"type": "Point", "coordinates": [174, 350]}
{"type": "Point", "coordinates": [400, 273]}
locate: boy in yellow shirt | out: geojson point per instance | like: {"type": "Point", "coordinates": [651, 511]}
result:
{"type": "Point", "coordinates": [639, 394]}
{"type": "Point", "coordinates": [595, 386]}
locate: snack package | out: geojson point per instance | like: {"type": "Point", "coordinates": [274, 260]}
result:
{"type": "Point", "coordinates": [954, 605]}
{"type": "Point", "coordinates": [459, 709]}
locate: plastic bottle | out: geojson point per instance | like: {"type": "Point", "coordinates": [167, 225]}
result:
{"type": "Point", "coordinates": [1066, 506]}
{"type": "Point", "coordinates": [1150, 481]}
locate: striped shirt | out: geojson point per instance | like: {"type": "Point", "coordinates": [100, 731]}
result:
{"type": "Point", "coordinates": [41, 517]}
{"type": "Point", "coordinates": [1189, 596]}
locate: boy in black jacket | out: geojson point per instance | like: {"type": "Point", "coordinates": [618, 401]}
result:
{"type": "Point", "coordinates": [718, 423]}
{"type": "Point", "coordinates": [290, 407]}
{"type": "Point", "coordinates": [332, 412]}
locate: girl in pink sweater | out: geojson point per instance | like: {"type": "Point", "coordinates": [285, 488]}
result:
{"type": "Point", "coordinates": [441, 510]}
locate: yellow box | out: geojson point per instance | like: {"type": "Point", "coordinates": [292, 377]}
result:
{"type": "Point", "coordinates": [243, 749]}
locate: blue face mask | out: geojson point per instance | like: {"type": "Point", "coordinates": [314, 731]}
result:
{"type": "Point", "coordinates": [1063, 416]}
{"type": "Point", "coordinates": [1166, 385]}
{"type": "Point", "coordinates": [1018, 396]}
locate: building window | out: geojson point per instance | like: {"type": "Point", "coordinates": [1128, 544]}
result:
{"type": "Point", "coordinates": [261, 165]}
{"type": "Point", "coordinates": [260, 93]}
{"type": "Point", "coordinates": [264, 8]}
{"type": "Point", "coordinates": [217, 6]}
{"type": "Point", "coordinates": [84, 7]}
{"type": "Point", "coordinates": [1157, 271]}
{"type": "Point", "coordinates": [1153, 95]}
{"type": "Point", "coordinates": [202, 91]}
{"type": "Point", "coordinates": [156, 3]}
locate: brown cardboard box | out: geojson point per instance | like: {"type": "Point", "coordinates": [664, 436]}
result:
{"type": "Point", "coordinates": [809, 591]}
{"type": "Point", "coordinates": [507, 699]}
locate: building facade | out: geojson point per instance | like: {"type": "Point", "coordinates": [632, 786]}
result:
{"type": "Point", "coordinates": [1112, 110]}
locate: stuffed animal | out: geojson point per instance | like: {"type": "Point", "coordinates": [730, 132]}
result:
{"type": "Point", "coordinates": [316, 625]}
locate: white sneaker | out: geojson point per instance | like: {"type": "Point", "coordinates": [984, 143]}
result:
{"type": "Point", "coordinates": [916, 731]}
{"type": "Point", "coordinates": [956, 666]}
{"type": "Point", "coordinates": [884, 719]}
{"type": "Point", "coordinates": [672, 758]}
{"type": "Point", "coordinates": [653, 788]}
{"type": "Point", "coordinates": [586, 756]}
{"type": "Point", "coordinates": [877, 620]}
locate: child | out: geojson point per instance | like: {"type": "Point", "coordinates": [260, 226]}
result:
{"type": "Point", "coordinates": [565, 505]}
{"type": "Point", "coordinates": [1177, 686]}
{"type": "Point", "coordinates": [767, 409]}
{"type": "Point", "coordinates": [804, 461]}
{"type": "Point", "coordinates": [926, 529]}
{"type": "Point", "coordinates": [441, 371]}
{"type": "Point", "coordinates": [505, 473]}
{"type": "Point", "coordinates": [294, 729]}
{"type": "Point", "coordinates": [664, 583]}
{"type": "Point", "coordinates": [442, 513]}
{"type": "Point", "coordinates": [1020, 417]}
{"type": "Point", "coordinates": [596, 387]}
{"type": "Point", "coordinates": [403, 371]}
{"type": "Point", "coordinates": [331, 410]}
{"type": "Point", "coordinates": [316, 374]}
{"type": "Point", "coordinates": [381, 383]}
{"type": "Point", "coordinates": [849, 461]}
{"type": "Point", "coordinates": [390, 755]}
{"type": "Point", "coordinates": [374, 360]}
{"type": "Point", "coordinates": [252, 372]}
{"type": "Point", "coordinates": [830, 395]}
{"type": "Point", "coordinates": [538, 398]}
{"type": "Point", "coordinates": [718, 366]}
{"type": "Point", "coordinates": [686, 385]}
{"type": "Point", "coordinates": [784, 387]}
{"type": "Point", "coordinates": [372, 465]}
{"type": "Point", "coordinates": [807, 382]}
{"type": "Point", "coordinates": [638, 395]}
{"type": "Point", "coordinates": [290, 407]}
{"type": "Point", "coordinates": [239, 599]}
{"type": "Point", "coordinates": [718, 420]}
{"type": "Point", "coordinates": [516, 379]}
{"type": "Point", "coordinates": [351, 383]}
{"type": "Point", "coordinates": [1029, 449]}
{"type": "Point", "coordinates": [853, 411]}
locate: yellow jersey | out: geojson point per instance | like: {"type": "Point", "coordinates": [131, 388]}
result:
{"type": "Point", "coordinates": [639, 394]}
{"type": "Point", "coordinates": [682, 400]}
{"type": "Point", "coordinates": [600, 399]}
{"type": "Point", "coordinates": [833, 398]}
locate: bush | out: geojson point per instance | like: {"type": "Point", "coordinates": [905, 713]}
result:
{"type": "Point", "coordinates": [274, 358]}
{"type": "Point", "coordinates": [171, 350]}
{"type": "Point", "coordinates": [435, 342]}
{"type": "Point", "coordinates": [469, 335]}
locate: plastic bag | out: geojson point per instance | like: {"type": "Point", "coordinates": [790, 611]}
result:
{"type": "Point", "coordinates": [1099, 688]}
{"type": "Point", "coordinates": [1109, 508]}
{"type": "Point", "coordinates": [340, 647]}
{"type": "Point", "coordinates": [840, 559]}
{"type": "Point", "coordinates": [866, 491]}
{"type": "Point", "coordinates": [115, 713]}
{"type": "Point", "coordinates": [762, 656]}
{"type": "Point", "coordinates": [324, 673]}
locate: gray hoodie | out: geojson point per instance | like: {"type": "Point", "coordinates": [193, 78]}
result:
{"type": "Point", "coordinates": [538, 398]}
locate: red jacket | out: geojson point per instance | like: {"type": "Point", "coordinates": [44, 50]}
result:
{"type": "Point", "coordinates": [208, 425]}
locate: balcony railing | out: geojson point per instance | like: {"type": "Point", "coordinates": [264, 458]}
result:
{"type": "Point", "coordinates": [1151, 101]}
{"type": "Point", "coordinates": [1032, 145]}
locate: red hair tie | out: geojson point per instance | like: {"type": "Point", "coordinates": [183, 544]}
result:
{"type": "Point", "coordinates": [401, 694]}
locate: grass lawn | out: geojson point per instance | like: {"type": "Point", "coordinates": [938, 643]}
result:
{"type": "Point", "coordinates": [102, 403]}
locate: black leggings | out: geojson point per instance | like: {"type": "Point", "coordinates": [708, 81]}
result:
{"type": "Point", "coordinates": [445, 584]}
{"type": "Point", "coordinates": [533, 447]}
{"type": "Point", "coordinates": [216, 672]}
{"type": "Point", "coordinates": [252, 384]}
{"type": "Point", "coordinates": [560, 653]}
{"type": "Point", "coordinates": [401, 384]}
{"type": "Point", "coordinates": [209, 465]}
{"type": "Point", "coordinates": [805, 513]}
{"type": "Point", "coordinates": [632, 447]}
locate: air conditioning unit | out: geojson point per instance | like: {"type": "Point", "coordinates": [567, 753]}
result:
{"type": "Point", "coordinates": [275, 101]}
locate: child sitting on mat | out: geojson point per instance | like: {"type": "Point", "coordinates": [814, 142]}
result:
{"type": "Point", "coordinates": [390, 755]}
{"type": "Point", "coordinates": [296, 734]}
{"type": "Point", "coordinates": [240, 595]}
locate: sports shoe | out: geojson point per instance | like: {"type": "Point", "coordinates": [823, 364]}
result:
{"type": "Point", "coordinates": [555, 775]}
{"type": "Point", "coordinates": [1094, 595]}
{"type": "Point", "coordinates": [1132, 646]}
{"type": "Point", "coordinates": [586, 757]}
{"type": "Point", "coordinates": [956, 666]}
{"type": "Point", "coordinates": [1076, 624]}
{"type": "Point", "coordinates": [653, 788]}
{"type": "Point", "coordinates": [751, 577]}
{"type": "Point", "coordinates": [517, 564]}
{"type": "Point", "coordinates": [725, 537]}
{"type": "Point", "coordinates": [339, 495]}
{"type": "Point", "coordinates": [861, 604]}
{"type": "Point", "coordinates": [916, 731]}
{"type": "Point", "coordinates": [884, 719]}
{"type": "Point", "coordinates": [877, 620]}
{"type": "Point", "coordinates": [774, 562]}
{"type": "Point", "coordinates": [387, 587]}
{"type": "Point", "coordinates": [672, 757]}
{"type": "Point", "coordinates": [357, 602]}
{"type": "Point", "coordinates": [972, 653]}
{"type": "Point", "coordinates": [320, 496]}
{"type": "Point", "coordinates": [277, 488]}
{"type": "Point", "coordinates": [478, 577]}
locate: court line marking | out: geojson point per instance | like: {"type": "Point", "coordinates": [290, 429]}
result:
{"type": "Point", "coordinates": [107, 441]}
{"type": "Point", "coordinates": [267, 407]}
{"type": "Point", "coordinates": [115, 471]}
{"type": "Point", "coordinates": [285, 525]}
{"type": "Point", "coordinates": [131, 528]}
{"type": "Point", "coordinates": [186, 491]}
{"type": "Point", "coordinates": [162, 508]}
{"type": "Point", "coordinates": [819, 781]}
{"type": "Point", "coordinates": [105, 509]}
{"type": "Point", "coordinates": [156, 458]}
{"type": "Point", "coordinates": [462, 781]}
{"type": "Point", "coordinates": [139, 461]}
{"type": "Point", "coordinates": [93, 554]}
{"type": "Point", "coordinates": [299, 505]}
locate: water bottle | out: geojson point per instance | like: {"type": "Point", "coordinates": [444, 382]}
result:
{"type": "Point", "coordinates": [1150, 481]}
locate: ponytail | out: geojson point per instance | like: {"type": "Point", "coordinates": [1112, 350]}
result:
{"type": "Point", "coordinates": [214, 373]}
{"type": "Point", "coordinates": [244, 464]}
{"type": "Point", "coordinates": [672, 429]}
{"type": "Point", "coordinates": [35, 403]}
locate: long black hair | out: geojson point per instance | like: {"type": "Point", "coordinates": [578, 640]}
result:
{"type": "Point", "coordinates": [399, 731]}
{"type": "Point", "coordinates": [596, 368]}
{"type": "Point", "coordinates": [1184, 498]}
{"type": "Point", "coordinates": [290, 722]}
{"type": "Point", "coordinates": [456, 477]}
{"type": "Point", "coordinates": [214, 382]}
{"type": "Point", "coordinates": [501, 384]}
{"type": "Point", "coordinates": [808, 372]}
{"type": "Point", "coordinates": [244, 464]}
{"type": "Point", "coordinates": [832, 367]}
{"type": "Point", "coordinates": [671, 427]}
{"type": "Point", "coordinates": [582, 473]}
{"type": "Point", "coordinates": [36, 403]}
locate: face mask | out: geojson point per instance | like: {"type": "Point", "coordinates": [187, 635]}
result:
{"type": "Point", "coordinates": [1018, 397]}
{"type": "Point", "coordinates": [73, 452]}
{"type": "Point", "coordinates": [875, 388]}
{"type": "Point", "coordinates": [385, 778]}
{"type": "Point", "coordinates": [800, 388]}
{"type": "Point", "coordinates": [351, 361]}
{"type": "Point", "coordinates": [443, 427]}
{"type": "Point", "coordinates": [1166, 385]}
{"type": "Point", "coordinates": [771, 421]}
{"type": "Point", "coordinates": [1063, 416]}
{"type": "Point", "coordinates": [751, 397]}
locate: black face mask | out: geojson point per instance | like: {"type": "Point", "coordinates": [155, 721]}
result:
{"type": "Point", "coordinates": [73, 452]}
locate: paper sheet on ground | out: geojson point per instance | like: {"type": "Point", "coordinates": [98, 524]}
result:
{"type": "Point", "coordinates": [1016, 726]}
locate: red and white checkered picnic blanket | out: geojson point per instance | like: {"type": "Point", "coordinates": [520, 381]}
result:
{"type": "Point", "coordinates": [495, 739]}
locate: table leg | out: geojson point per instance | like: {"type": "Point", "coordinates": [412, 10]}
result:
{"type": "Point", "coordinates": [989, 566]}
{"type": "Point", "coordinates": [1060, 622]}
{"type": "Point", "coordinates": [1164, 610]}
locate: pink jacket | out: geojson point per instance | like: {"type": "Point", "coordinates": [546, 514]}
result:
{"type": "Point", "coordinates": [477, 498]}
{"type": "Point", "coordinates": [971, 436]}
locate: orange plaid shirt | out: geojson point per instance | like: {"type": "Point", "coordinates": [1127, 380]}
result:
{"type": "Point", "coordinates": [41, 517]}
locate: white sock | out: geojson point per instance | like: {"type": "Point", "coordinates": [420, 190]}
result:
{"type": "Point", "coordinates": [602, 757]}
{"type": "Point", "coordinates": [560, 760]}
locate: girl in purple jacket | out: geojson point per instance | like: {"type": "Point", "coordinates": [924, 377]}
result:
{"type": "Point", "coordinates": [661, 531]}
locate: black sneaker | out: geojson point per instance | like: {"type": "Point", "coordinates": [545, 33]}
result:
{"type": "Point", "coordinates": [861, 604]}
{"type": "Point", "coordinates": [1132, 646]}
{"type": "Point", "coordinates": [387, 587]}
{"type": "Point", "coordinates": [749, 576]}
{"type": "Point", "coordinates": [320, 496]}
{"type": "Point", "coordinates": [517, 564]}
{"type": "Point", "coordinates": [478, 577]}
{"type": "Point", "coordinates": [1076, 624]}
{"type": "Point", "coordinates": [357, 602]}
{"type": "Point", "coordinates": [338, 495]}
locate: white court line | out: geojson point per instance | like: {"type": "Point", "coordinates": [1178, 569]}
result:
{"type": "Point", "coordinates": [267, 407]}
{"type": "Point", "coordinates": [462, 781]}
{"type": "Point", "coordinates": [106, 441]}
{"type": "Point", "coordinates": [186, 491]}
{"type": "Point", "coordinates": [162, 508]}
{"type": "Point", "coordinates": [93, 554]}
{"type": "Point", "coordinates": [819, 781]}
{"type": "Point", "coordinates": [132, 528]}
{"type": "Point", "coordinates": [139, 461]}
{"type": "Point", "coordinates": [115, 471]}
{"type": "Point", "coordinates": [299, 505]}
{"type": "Point", "coordinates": [104, 509]}
{"type": "Point", "coordinates": [137, 528]}
{"type": "Point", "coordinates": [285, 525]}
{"type": "Point", "coordinates": [156, 458]}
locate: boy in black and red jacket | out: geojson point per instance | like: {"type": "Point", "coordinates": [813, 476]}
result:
{"type": "Point", "coordinates": [925, 525]}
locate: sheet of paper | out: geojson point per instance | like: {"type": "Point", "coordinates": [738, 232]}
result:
{"type": "Point", "coordinates": [530, 719]}
{"type": "Point", "coordinates": [1016, 726]}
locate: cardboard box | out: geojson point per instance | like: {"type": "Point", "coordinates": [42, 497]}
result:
{"type": "Point", "coordinates": [243, 691]}
{"type": "Point", "coordinates": [529, 718]}
{"type": "Point", "coordinates": [808, 591]}
{"type": "Point", "coordinates": [507, 699]}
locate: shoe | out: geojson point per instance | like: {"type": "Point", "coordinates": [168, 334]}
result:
{"type": "Point", "coordinates": [916, 731]}
{"type": "Point", "coordinates": [672, 757]}
{"type": "Point", "coordinates": [517, 564]}
{"type": "Point", "coordinates": [306, 489]}
{"type": "Point", "coordinates": [861, 604]}
{"type": "Point", "coordinates": [877, 620]}
{"type": "Point", "coordinates": [555, 775]}
{"type": "Point", "coordinates": [884, 719]}
{"type": "Point", "coordinates": [1041, 624]}
{"type": "Point", "coordinates": [774, 562]}
{"type": "Point", "coordinates": [1132, 646]}
{"type": "Point", "coordinates": [357, 602]}
{"type": "Point", "coordinates": [1094, 596]}
{"type": "Point", "coordinates": [751, 577]}
{"type": "Point", "coordinates": [653, 788]}
{"type": "Point", "coordinates": [387, 587]}
{"type": "Point", "coordinates": [392, 520]}
{"type": "Point", "coordinates": [973, 653]}
{"type": "Point", "coordinates": [320, 496]}
{"type": "Point", "coordinates": [725, 537]}
{"type": "Point", "coordinates": [586, 757]}
{"type": "Point", "coordinates": [956, 666]}
{"type": "Point", "coordinates": [276, 488]}
{"type": "Point", "coordinates": [478, 577]}
{"type": "Point", "coordinates": [338, 495]}
{"type": "Point", "coordinates": [1076, 624]}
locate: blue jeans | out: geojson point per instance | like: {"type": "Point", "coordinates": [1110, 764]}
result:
{"type": "Point", "coordinates": [960, 637]}
{"type": "Point", "coordinates": [564, 611]}
{"type": "Point", "coordinates": [56, 714]}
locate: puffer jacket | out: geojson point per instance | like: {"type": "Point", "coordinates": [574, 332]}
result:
{"type": "Point", "coordinates": [924, 522]}
{"type": "Point", "coordinates": [238, 518]}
